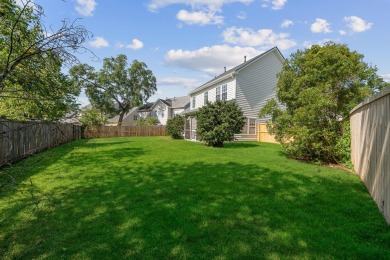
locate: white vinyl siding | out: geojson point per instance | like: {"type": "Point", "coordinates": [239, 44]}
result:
{"type": "Point", "coordinates": [256, 84]}
{"type": "Point", "coordinates": [199, 96]}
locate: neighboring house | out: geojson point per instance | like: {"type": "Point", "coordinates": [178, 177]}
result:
{"type": "Point", "coordinates": [164, 109]}
{"type": "Point", "coordinates": [129, 118]}
{"type": "Point", "coordinates": [250, 84]}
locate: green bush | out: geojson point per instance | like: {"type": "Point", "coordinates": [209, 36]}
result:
{"type": "Point", "coordinates": [92, 117]}
{"type": "Point", "coordinates": [150, 121]}
{"type": "Point", "coordinates": [218, 122]}
{"type": "Point", "coordinates": [175, 127]}
{"type": "Point", "coordinates": [318, 87]}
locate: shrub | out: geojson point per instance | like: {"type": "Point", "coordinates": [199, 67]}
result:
{"type": "Point", "coordinates": [218, 122]}
{"type": "Point", "coordinates": [175, 127]}
{"type": "Point", "coordinates": [150, 121]}
{"type": "Point", "coordinates": [318, 87]}
{"type": "Point", "coordinates": [92, 117]}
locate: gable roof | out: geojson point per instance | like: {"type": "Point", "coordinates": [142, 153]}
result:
{"type": "Point", "coordinates": [180, 102]}
{"type": "Point", "coordinates": [146, 107]}
{"type": "Point", "coordinates": [230, 73]}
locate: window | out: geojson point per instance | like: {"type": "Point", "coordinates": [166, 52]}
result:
{"type": "Point", "coordinates": [218, 93]}
{"type": "Point", "coordinates": [224, 92]}
{"type": "Point", "coordinates": [193, 102]}
{"type": "Point", "coordinates": [135, 117]}
{"type": "Point", "coordinates": [206, 97]}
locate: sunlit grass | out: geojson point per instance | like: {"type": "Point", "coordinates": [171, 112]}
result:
{"type": "Point", "coordinates": [162, 198]}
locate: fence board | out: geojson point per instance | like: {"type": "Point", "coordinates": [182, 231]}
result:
{"type": "Point", "coordinates": [19, 139]}
{"type": "Point", "coordinates": [123, 131]}
{"type": "Point", "coordinates": [263, 135]}
{"type": "Point", "coordinates": [370, 147]}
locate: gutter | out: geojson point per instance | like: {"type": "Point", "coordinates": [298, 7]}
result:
{"type": "Point", "coordinates": [212, 82]}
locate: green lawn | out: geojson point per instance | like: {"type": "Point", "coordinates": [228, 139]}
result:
{"type": "Point", "coordinates": [161, 198]}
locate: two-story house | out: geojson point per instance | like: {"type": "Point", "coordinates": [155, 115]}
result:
{"type": "Point", "coordinates": [164, 109]}
{"type": "Point", "coordinates": [250, 84]}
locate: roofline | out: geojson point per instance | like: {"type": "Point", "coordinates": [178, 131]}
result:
{"type": "Point", "coordinates": [261, 56]}
{"type": "Point", "coordinates": [233, 73]}
{"type": "Point", "coordinates": [212, 82]}
{"type": "Point", "coordinates": [155, 103]}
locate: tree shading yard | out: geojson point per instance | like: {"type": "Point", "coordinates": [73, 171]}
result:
{"type": "Point", "coordinates": [163, 198]}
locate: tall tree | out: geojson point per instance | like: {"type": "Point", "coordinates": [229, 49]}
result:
{"type": "Point", "coordinates": [116, 88]}
{"type": "Point", "coordinates": [31, 58]}
{"type": "Point", "coordinates": [317, 88]}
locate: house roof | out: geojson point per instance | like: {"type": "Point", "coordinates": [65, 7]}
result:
{"type": "Point", "coordinates": [146, 107]}
{"type": "Point", "coordinates": [116, 117]}
{"type": "Point", "coordinates": [231, 72]}
{"type": "Point", "coordinates": [180, 102]}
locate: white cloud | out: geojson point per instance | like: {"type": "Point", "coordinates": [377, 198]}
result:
{"type": "Point", "coordinates": [308, 44]}
{"type": "Point", "coordinates": [99, 42]}
{"type": "Point", "coordinates": [342, 32]}
{"type": "Point", "coordinates": [264, 38]}
{"type": "Point", "coordinates": [241, 15]}
{"type": "Point", "coordinates": [386, 77]}
{"type": "Point", "coordinates": [357, 24]}
{"type": "Point", "coordinates": [178, 81]}
{"type": "Point", "coordinates": [85, 7]}
{"type": "Point", "coordinates": [201, 18]}
{"type": "Point", "coordinates": [320, 26]}
{"type": "Point", "coordinates": [275, 4]}
{"type": "Point", "coordinates": [135, 45]}
{"type": "Point", "coordinates": [154, 5]}
{"type": "Point", "coordinates": [286, 23]}
{"type": "Point", "coordinates": [210, 60]}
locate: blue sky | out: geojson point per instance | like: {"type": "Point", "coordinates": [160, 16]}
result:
{"type": "Point", "coordinates": [186, 43]}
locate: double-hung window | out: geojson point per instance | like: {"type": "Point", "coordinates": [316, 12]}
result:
{"type": "Point", "coordinates": [206, 97]}
{"type": "Point", "coordinates": [224, 92]}
{"type": "Point", "coordinates": [193, 102]}
{"type": "Point", "coordinates": [218, 93]}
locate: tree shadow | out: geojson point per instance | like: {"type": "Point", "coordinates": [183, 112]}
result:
{"type": "Point", "coordinates": [240, 145]}
{"type": "Point", "coordinates": [201, 210]}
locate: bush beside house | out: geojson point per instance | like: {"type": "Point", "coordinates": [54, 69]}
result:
{"type": "Point", "coordinates": [218, 122]}
{"type": "Point", "coordinates": [175, 127]}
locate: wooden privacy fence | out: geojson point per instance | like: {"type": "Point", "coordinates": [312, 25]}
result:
{"type": "Point", "coordinates": [370, 148]}
{"type": "Point", "coordinates": [19, 139]}
{"type": "Point", "coordinates": [263, 135]}
{"type": "Point", "coordinates": [123, 131]}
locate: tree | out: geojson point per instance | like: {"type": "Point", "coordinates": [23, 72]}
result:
{"type": "Point", "coordinates": [175, 127]}
{"type": "Point", "coordinates": [92, 117]}
{"type": "Point", "coordinates": [317, 88]}
{"type": "Point", "coordinates": [31, 58]}
{"type": "Point", "coordinates": [218, 122]}
{"type": "Point", "coordinates": [115, 89]}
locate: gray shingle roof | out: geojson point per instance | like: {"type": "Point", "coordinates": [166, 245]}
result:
{"type": "Point", "coordinates": [180, 102]}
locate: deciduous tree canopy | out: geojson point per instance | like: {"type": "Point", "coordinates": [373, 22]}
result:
{"type": "Point", "coordinates": [31, 57]}
{"type": "Point", "coordinates": [317, 88]}
{"type": "Point", "coordinates": [116, 88]}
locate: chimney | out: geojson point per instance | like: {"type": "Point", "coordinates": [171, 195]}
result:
{"type": "Point", "coordinates": [224, 68]}
{"type": "Point", "coordinates": [244, 58]}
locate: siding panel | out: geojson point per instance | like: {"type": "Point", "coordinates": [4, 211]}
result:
{"type": "Point", "coordinates": [256, 84]}
{"type": "Point", "coordinates": [199, 96]}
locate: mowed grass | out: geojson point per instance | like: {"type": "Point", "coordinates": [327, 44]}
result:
{"type": "Point", "coordinates": [160, 198]}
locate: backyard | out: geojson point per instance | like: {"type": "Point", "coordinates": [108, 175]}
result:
{"type": "Point", "coordinates": [153, 197]}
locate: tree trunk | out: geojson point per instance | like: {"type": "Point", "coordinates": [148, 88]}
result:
{"type": "Point", "coordinates": [121, 114]}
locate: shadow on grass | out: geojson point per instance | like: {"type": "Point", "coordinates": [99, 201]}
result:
{"type": "Point", "coordinates": [199, 210]}
{"type": "Point", "coordinates": [239, 145]}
